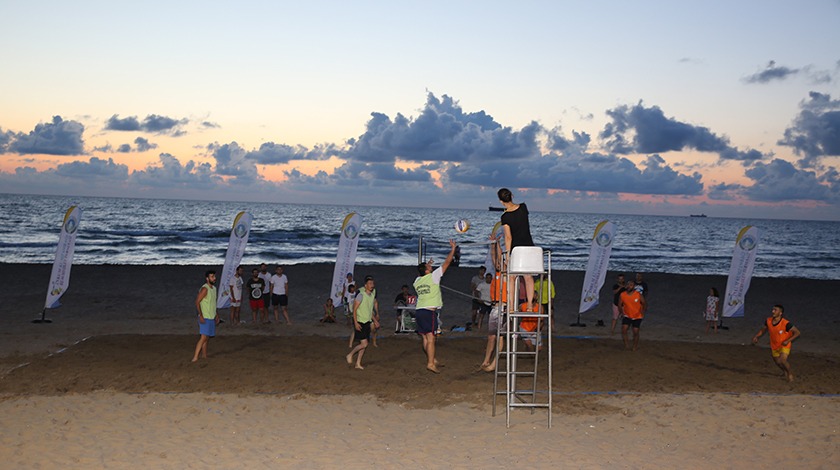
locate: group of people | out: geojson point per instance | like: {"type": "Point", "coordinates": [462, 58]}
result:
{"type": "Point", "coordinates": [516, 232]}
{"type": "Point", "coordinates": [265, 291]}
{"type": "Point", "coordinates": [630, 302]}
{"type": "Point", "coordinates": [482, 301]}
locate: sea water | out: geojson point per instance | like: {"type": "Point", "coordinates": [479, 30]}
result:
{"type": "Point", "coordinates": [157, 231]}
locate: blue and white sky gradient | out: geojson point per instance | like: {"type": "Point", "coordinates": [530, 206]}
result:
{"type": "Point", "coordinates": [726, 108]}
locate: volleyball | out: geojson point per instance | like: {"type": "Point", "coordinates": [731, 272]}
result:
{"type": "Point", "coordinates": [462, 225]}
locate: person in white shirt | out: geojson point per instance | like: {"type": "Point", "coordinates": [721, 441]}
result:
{"type": "Point", "coordinates": [476, 281]}
{"type": "Point", "coordinates": [280, 295]}
{"type": "Point", "coordinates": [236, 283]}
{"type": "Point", "coordinates": [266, 277]}
{"type": "Point", "coordinates": [483, 290]}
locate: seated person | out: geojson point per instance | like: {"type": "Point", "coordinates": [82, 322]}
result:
{"type": "Point", "coordinates": [403, 297]}
{"type": "Point", "coordinates": [329, 311]}
{"type": "Point", "coordinates": [528, 325]}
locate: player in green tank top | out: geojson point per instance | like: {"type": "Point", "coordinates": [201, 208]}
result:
{"type": "Point", "coordinates": [365, 312]}
{"type": "Point", "coordinates": [205, 304]}
{"type": "Point", "coordinates": [429, 300]}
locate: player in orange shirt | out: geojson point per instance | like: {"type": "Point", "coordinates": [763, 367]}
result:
{"type": "Point", "coordinates": [782, 333]}
{"type": "Point", "coordinates": [632, 305]}
{"type": "Point", "coordinates": [529, 325]}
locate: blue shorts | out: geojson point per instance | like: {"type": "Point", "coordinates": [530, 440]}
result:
{"type": "Point", "coordinates": [208, 328]}
{"type": "Point", "coordinates": [426, 320]}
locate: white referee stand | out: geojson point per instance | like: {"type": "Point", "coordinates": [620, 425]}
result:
{"type": "Point", "coordinates": [519, 363]}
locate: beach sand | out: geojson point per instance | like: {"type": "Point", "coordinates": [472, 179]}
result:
{"type": "Point", "coordinates": [110, 384]}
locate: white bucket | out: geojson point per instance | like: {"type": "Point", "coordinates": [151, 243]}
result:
{"type": "Point", "coordinates": [526, 260]}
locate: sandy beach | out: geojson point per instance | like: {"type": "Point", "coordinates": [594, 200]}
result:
{"type": "Point", "coordinates": [109, 383]}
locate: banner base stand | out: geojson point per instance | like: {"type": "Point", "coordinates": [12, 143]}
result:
{"type": "Point", "coordinates": [43, 318]}
{"type": "Point", "coordinates": [578, 323]}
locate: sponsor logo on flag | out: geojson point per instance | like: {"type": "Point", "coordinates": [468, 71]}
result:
{"type": "Point", "coordinates": [236, 249]}
{"type": "Point", "coordinates": [345, 260]}
{"type": "Point", "coordinates": [740, 272]}
{"type": "Point", "coordinates": [60, 275]}
{"type": "Point", "coordinates": [596, 268]}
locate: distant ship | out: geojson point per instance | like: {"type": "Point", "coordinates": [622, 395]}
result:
{"type": "Point", "coordinates": [502, 209]}
{"type": "Point", "coordinates": [697, 215]}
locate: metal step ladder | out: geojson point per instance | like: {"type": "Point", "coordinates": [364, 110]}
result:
{"type": "Point", "coordinates": [520, 363]}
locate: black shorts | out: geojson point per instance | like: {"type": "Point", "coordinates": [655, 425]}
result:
{"type": "Point", "coordinates": [266, 299]}
{"type": "Point", "coordinates": [364, 333]}
{"type": "Point", "coordinates": [629, 321]}
{"type": "Point", "coordinates": [281, 300]}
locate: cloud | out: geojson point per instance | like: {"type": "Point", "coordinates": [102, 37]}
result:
{"type": "Point", "coordinates": [580, 171]}
{"type": "Point", "coordinates": [772, 72]}
{"type": "Point", "coordinates": [58, 137]}
{"type": "Point", "coordinates": [442, 132]}
{"type": "Point", "coordinates": [780, 73]}
{"type": "Point", "coordinates": [231, 161]}
{"type": "Point", "coordinates": [557, 142]}
{"type": "Point", "coordinates": [725, 192]}
{"type": "Point", "coordinates": [376, 175]}
{"type": "Point", "coordinates": [151, 123]}
{"type": "Point", "coordinates": [210, 125]}
{"type": "Point", "coordinates": [114, 123]}
{"type": "Point", "coordinates": [691, 60]}
{"type": "Point", "coordinates": [270, 153]}
{"type": "Point", "coordinates": [155, 123]}
{"type": "Point", "coordinates": [644, 130]}
{"type": "Point", "coordinates": [779, 180]}
{"type": "Point", "coordinates": [95, 168]}
{"type": "Point", "coordinates": [143, 145]}
{"type": "Point", "coordinates": [815, 132]}
{"type": "Point", "coordinates": [6, 137]}
{"type": "Point", "coordinates": [171, 174]}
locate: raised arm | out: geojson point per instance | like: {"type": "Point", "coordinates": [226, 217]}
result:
{"type": "Point", "coordinates": [495, 253]}
{"type": "Point", "coordinates": [449, 257]}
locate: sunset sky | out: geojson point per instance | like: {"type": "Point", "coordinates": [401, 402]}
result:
{"type": "Point", "coordinates": [725, 108]}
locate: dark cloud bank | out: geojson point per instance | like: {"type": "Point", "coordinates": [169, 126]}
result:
{"type": "Point", "coordinates": [472, 150]}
